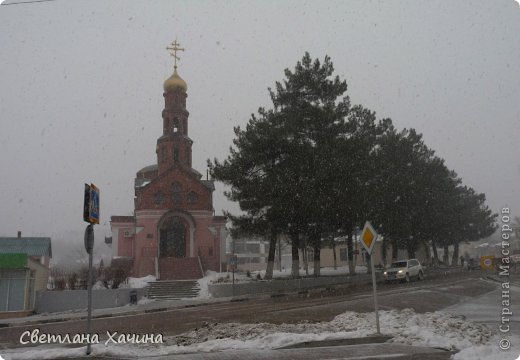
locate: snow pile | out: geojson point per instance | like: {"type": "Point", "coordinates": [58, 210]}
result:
{"type": "Point", "coordinates": [340, 270]}
{"type": "Point", "coordinates": [436, 329]}
{"type": "Point", "coordinates": [211, 277]}
{"type": "Point", "coordinates": [488, 352]}
{"type": "Point", "coordinates": [144, 301]}
{"type": "Point", "coordinates": [241, 277]}
{"type": "Point", "coordinates": [327, 271]}
{"type": "Point", "coordinates": [261, 335]}
{"type": "Point", "coordinates": [135, 283]}
{"type": "Point", "coordinates": [227, 277]}
{"type": "Point", "coordinates": [431, 329]}
{"type": "Point", "coordinates": [132, 283]}
{"type": "Point", "coordinates": [98, 286]}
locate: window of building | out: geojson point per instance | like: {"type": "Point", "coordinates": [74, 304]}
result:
{"type": "Point", "coordinates": [159, 198]}
{"type": "Point", "coordinates": [177, 193]}
{"type": "Point", "coordinates": [193, 197]}
{"type": "Point", "coordinates": [248, 260]}
{"type": "Point", "coordinates": [253, 248]}
{"type": "Point", "coordinates": [343, 254]}
{"type": "Point", "coordinates": [240, 247]}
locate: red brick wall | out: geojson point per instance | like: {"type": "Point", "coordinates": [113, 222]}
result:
{"type": "Point", "coordinates": [179, 268]}
{"type": "Point", "coordinates": [167, 147]}
{"type": "Point", "coordinates": [175, 99]}
{"type": "Point", "coordinates": [145, 197]}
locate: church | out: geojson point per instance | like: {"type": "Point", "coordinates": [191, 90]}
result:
{"type": "Point", "coordinates": [173, 234]}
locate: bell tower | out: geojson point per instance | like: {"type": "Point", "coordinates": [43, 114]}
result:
{"type": "Point", "coordinates": [174, 146]}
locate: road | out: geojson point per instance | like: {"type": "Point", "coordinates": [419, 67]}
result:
{"type": "Point", "coordinates": [434, 293]}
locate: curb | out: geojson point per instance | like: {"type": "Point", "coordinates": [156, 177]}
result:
{"type": "Point", "coordinates": [338, 290]}
{"type": "Point", "coordinates": [371, 339]}
{"type": "Point", "coordinates": [110, 315]}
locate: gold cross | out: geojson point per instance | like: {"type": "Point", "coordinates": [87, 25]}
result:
{"type": "Point", "coordinates": [174, 47]}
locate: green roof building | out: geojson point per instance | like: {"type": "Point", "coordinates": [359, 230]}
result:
{"type": "Point", "coordinates": [24, 269]}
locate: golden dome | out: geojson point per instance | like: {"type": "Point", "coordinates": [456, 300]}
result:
{"type": "Point", "coordinates": [175, 82]}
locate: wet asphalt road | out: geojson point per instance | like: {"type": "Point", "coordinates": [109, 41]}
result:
{"type": "Point", "coordinates": [436, 292]}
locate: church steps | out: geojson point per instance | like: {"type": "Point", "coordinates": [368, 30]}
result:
{"type": "Point", "coordinates": [172, 289]}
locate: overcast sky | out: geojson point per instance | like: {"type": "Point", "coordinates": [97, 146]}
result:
{"type": "Point", "coordinates": [81, 88]}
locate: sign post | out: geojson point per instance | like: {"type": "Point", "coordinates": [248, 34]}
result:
{"type": "Point", "coordinates": [233, 263]}
{"type": "Point", "coordinates": [368, 239]}
{"type": "Point", "coordinates": [90, 215]}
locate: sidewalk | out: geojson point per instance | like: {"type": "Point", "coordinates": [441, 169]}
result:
{"type": "Point", "coordinates": [365, 348]}
{"type": "Point", "coordinates": [164, 305]}
{"type": "Point", "coordinates": [152, 306]}
{"type": "Point", "coordinates": [348, 352]}
{"type": "Point", "coordinates": [360, 347]}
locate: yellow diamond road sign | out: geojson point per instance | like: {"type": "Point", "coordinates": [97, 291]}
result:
{"type": "Point", "coordinates": [368, 237]}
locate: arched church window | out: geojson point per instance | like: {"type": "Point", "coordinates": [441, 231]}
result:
{"type": "Point", "coordinates": [159, 198]}
{"type": "Point", "coordinates": [176, 154]}
{"type": "Point", "coordinates": [177, 193]}
{"type": "Point", "coordinates": [193, 197]}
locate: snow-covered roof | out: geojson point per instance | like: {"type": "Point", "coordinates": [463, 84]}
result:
{"type": "Point", "coordinates": [142, 183]}
{"type": "Point", "coordinates": [148, 168]}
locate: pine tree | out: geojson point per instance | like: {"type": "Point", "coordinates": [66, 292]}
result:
{"type": "Point", "coordinates": [279, 169]}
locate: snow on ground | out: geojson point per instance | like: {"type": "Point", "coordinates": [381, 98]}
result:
{"type": "Point", "coordinates": [98, 286]}
{"type": "Point", "coordinates": [436, 329]}
{"type": "Point", "coordinates": [211, 276]}
{"type": "Point", "coordinates": [135, 283]}
{"type": "Point", "coordinates": [143, 301]}
{"type": "Point", "coordinates": [132, 283]}
{"type": "Point", "coordinates": [226, 277]}
{"type": "Point", "coordinates": [490, 351]}
{"type": "Point", "coordinates": [340, 270]}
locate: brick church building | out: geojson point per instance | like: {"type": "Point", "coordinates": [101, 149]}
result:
{"type": "Point", "coordinates": [173, 234]}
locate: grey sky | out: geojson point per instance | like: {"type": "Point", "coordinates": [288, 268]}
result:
{"type": "Point", "coordinates": [81, 88]}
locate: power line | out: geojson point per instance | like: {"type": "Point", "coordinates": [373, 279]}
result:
{"type": "Point", "coordinates": [25, 2]}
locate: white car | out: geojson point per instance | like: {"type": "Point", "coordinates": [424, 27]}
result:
{"type": "Point", "coordinates": [404, 270]}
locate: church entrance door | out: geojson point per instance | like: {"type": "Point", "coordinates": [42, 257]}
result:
{"type": "Point", "coordinates": [173, 238]}
{"type": "Point", "coordinates": [175, 244]}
